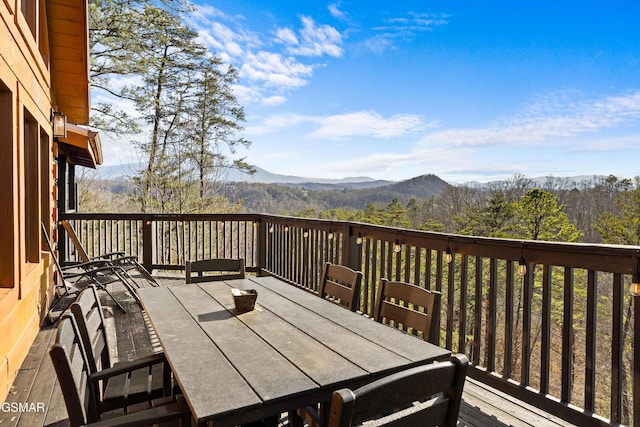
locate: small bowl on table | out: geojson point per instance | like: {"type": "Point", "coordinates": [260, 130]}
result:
{"type": "Point", "coordinates": [244, 299]}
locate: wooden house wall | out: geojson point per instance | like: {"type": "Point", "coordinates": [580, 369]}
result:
{"type": "Point", "coordinates": [26, 180]}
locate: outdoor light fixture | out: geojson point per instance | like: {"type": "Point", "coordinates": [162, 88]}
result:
{"type": "Point", "coordinates": [522, 264]}
{"type": "Point", "coordinates": [448, 255]}
{"type": "Point", "coordinates": [271, 229]}
{"type": "Point", "coordinates": [635, 281]}
{"type": "Point", "coordinates": [635, 285]}
{"type": "Point", "coordinates": [286, 228]}
{"type": "Point", "coordinates": [59, 124]}
{"type": "Point", "coordinates": [359, 239]}
{"type": "Point", "coordinates": [330, 234]}
{"type": "Point", "coordinates": [305, 233]}
{"type": "Point", "coordinates": [396, 246]}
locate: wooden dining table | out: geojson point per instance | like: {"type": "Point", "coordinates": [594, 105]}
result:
{"type": "Point", "coordinates": [293, 349]}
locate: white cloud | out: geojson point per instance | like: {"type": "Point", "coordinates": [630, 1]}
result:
{"type": "Point", "coordinates": [334, 10]}
{"type": "Point", "coordinates": [549, 122]}
{"type": "Point", "coordinates": [275, 70]}
{"type": "Point", "coordinates": [286, 36]}
{"type": "Point", "coordinates": [340, 126]}
{"type": "Point", "coordinates": [266, 73]}
{"type": "Point", "coordinates": [367, 123]}
{"type": "Point", "coordinates": [404, 28]}
{"type": "Point", "coordinates": [314, 40]}
{"type": "Point", "coordinates": [274, 100]}
{"type": "Point", "coordinates": [552, 136]}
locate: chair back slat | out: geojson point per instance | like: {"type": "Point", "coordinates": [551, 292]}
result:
{"type": "Point", "coordinates": [84, 257]}
{"type": "Point", "coordinates": [72, 370]}
{"type": "Point", "coordinates": [87, 311]}
{"type": "Point", "coordinates": [413, 307]}
{"type": "Point", "coordinates": [341, 283]}
{"type": "Point", "coordinates": [427, 395]}
{"type": "Point", "coordinates": [219, 269]}
{"type": "Point", "coordinates": [52, 252]}
{"type": "Point", "coordinates": [399, 315]}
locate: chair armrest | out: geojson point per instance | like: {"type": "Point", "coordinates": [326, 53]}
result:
{"type": "Point", "coordinates": [84, 265]}
{"type": "Point", "coordinates": [124, 367]}
{"type": "Point", "coordinates": [151, 416]}
{"type": "Point", "coordinates": [109, 255]}
{"type": "Point", "coordinates": [125, 258]}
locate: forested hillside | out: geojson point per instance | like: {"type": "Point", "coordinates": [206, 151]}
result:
{"type": "Point", "coordinates": [425, 202]}
{"type": "Point", "coordinates": [288, 199]}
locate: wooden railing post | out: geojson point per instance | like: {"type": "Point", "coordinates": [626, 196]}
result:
{"type": "Point", "coordinates": [147, 244]}
{"type": "Point", "coordinates": [262, 246]}
{"type": "Point", "coordinates": [636, 361]}
{"type": "Point", "coordinates": [350, 249]}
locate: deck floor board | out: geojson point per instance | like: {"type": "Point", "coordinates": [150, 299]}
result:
{"type": "Point", "coordinates": [482, 406]}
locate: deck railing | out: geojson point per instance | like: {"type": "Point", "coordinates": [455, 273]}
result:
{"type": "Point", "coordinates": [553, 324]}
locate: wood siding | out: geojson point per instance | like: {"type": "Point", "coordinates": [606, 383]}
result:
{"type": "Point", "coordinates": [26, 174]}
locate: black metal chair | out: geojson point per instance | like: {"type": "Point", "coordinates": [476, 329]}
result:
{"type": "Point", "coordinates": [76, 278]}
{"type": "Point", "coordinates": [115, 259]}
{"type": "Point", "coordinates": [424, 396]}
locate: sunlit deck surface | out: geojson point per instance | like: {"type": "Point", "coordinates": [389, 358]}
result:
{"type": "Point", "coordinates": [36, 381]}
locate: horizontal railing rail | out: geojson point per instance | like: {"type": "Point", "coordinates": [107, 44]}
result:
{"type": "Point", "coordinates": [550, 323]}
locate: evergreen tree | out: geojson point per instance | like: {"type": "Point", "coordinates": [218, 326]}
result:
{"type": "Point", "coordinates": [538, 216]}
{"type": "Point", "coordinates": [143, 53]}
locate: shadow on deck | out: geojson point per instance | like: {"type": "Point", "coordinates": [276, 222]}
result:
{"type": "Point", "coordinates": [36, 381]}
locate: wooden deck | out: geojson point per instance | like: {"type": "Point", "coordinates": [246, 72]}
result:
{"type": "Point", "coordinates": [36, 382]}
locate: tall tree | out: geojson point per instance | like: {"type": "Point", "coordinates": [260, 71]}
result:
{"type": "Point", "coordinates": [213, 125]}
{"type": "Point", "coordinates": [622, 226]}
{"type": "Point", "coordinates": [144, 55]}
{"type": "Point", "coordinates": [538, 216]}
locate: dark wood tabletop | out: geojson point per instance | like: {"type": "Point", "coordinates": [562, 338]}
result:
{"type": "Point", "coordinates": [292, 350]}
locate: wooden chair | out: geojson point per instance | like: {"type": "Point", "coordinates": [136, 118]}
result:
{"type": "Point", "coordinates": [408, 305]}
{"type": "Point", "coordinates": [341, 284]}
{"type": "Point", "coordinates": [220, 269]}
{"type": "Point", "coordinates": [116, 259]}
{"type": "Point", "coordinates": [81, 387]}
{"type": "Point", "coordinates": [151, 380]}
{"type": "Point", "coordinates": [427, 395]}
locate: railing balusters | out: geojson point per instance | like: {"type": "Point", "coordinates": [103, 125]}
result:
{"type": "Point", "coordinates": [567, 337]}
{"type": "Point", "coordinates": [492, 312]}
{"type": "Point", "coordinates": [477, 315]}
{"type": "Point", "coordinates": [451, 277]}
{"type": "Point", "coordinates": [617, 348]}
{"type": "Point", "coordinates": [508, 320]}
{"type": "Point", "coordinates": [590, 351]}
{"type": "Point", "coordinates": [464, 292]}
{"type": "Point", "coordinates": [527, 297]}
{"type": "Point", "coordinates": [545, 347]}
{"type": "Point", "coordinates": [473, 300]}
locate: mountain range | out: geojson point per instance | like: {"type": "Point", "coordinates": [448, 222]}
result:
{"type": "Point", "coordinates": [269, 192]}
{"type": "Point", "coordinates": [261, 176]}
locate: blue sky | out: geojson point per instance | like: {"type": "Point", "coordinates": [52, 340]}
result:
{"type": "Point", "coordinates": [464, 90]}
